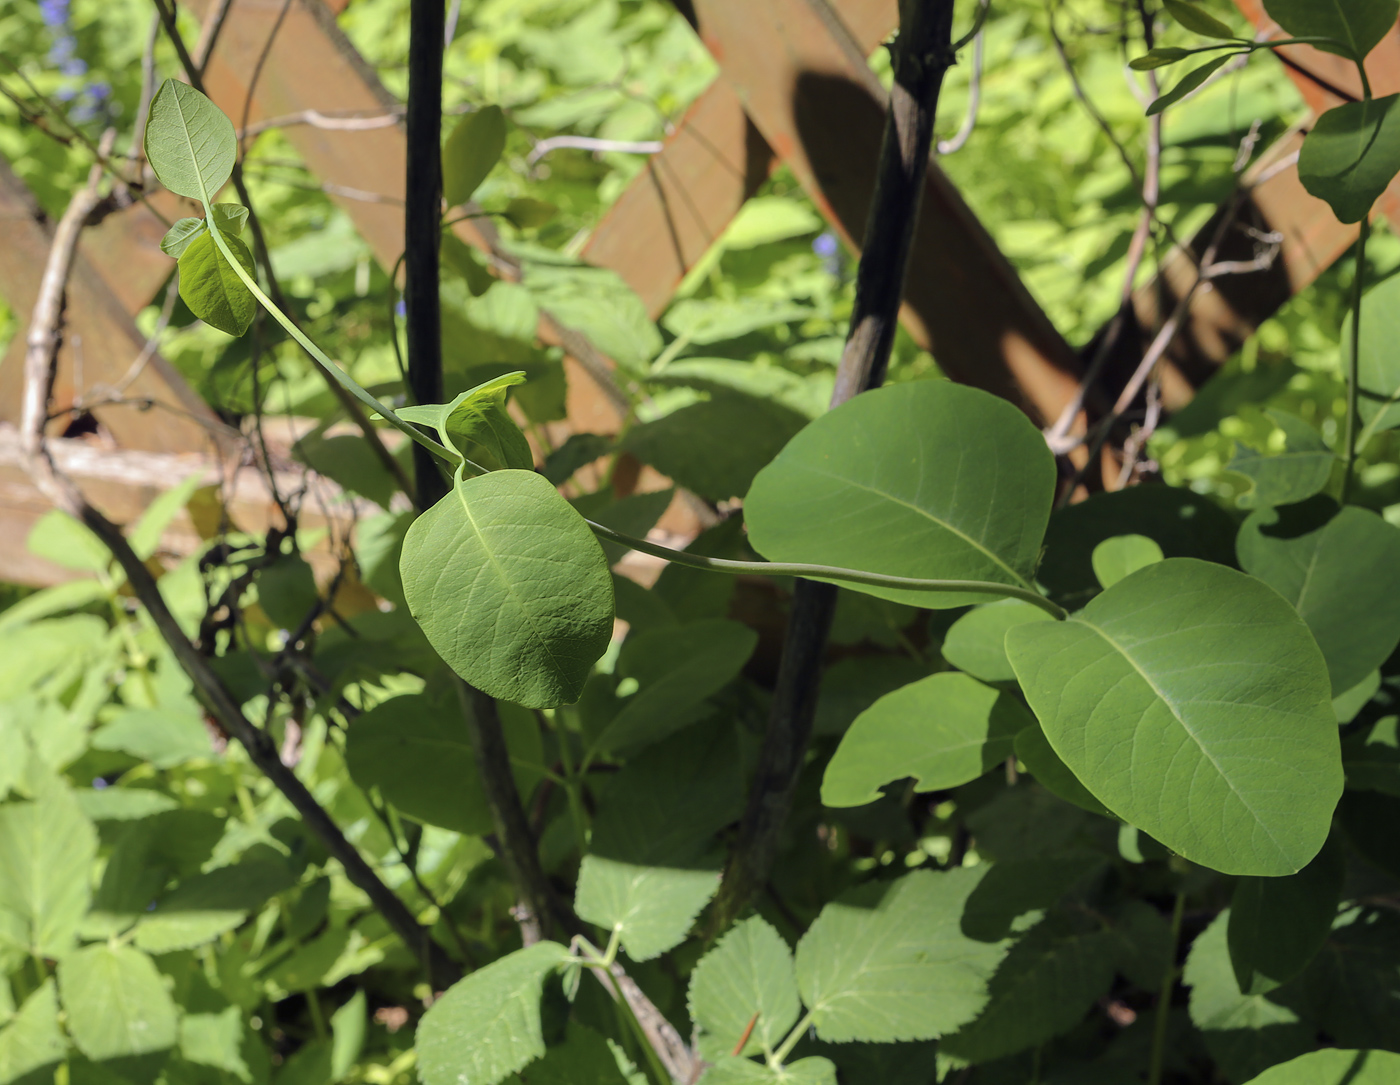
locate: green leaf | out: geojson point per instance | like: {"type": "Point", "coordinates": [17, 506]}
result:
{"type": "Point", "coordinates": [577, 452]}
{"type": "Point", "coordinates": [1194, 19]}
{"type": "Point", "coordinates": [177, 239]}
{"type": "Point", "coordinates": [1159, 57]}
{"type": "Point", "coordinates": [1334, 1067]}
{"type": "Point", "coordinates": [1192, 701]}
{"type": "Point", "coordinates": [211, 288]}
{"type": "Point", "coordinates": [32, 1040]}
{"type": "Point", "coordinates": [1012, 896]}
{"type": "Point", "coordinates": [59, 538]}
{"type": "Point", "coordinates": [652, 908]}
{"type": "Point", "coordinates": [1378, 368]}
{"type": "Point", "coordinates": [1297, 472]}
{"type": "Point", "coordinates": [1034, 751]}
{"type": "Point", "coordinates": [944, 731]}
{"type": "Point", "coordinates": [471, 152]}
{"type": "Point", "coordinates": [1189, 82]}
{"type": "Point", "coordinates": [1278, 924]}
{"type": "Point", "coordinates": [889, 962]}
{"type": "Point", "coordinates": [930, 479]}
{"type": "Point", "coordinates": [676, 668]}
{"type": "Point", "coordinates": [634, 515]}
{"type": "Point", "coordinates": [145, 536]}
{"type": "Point", "coordinates": [350, 462]}
{"type": "Point", "coordinates": [191, 145]}
{"type": "Point", "coordinates": [584, 1058]}
{"type": "Point", "coordinates": [1349, 703]}
{"type": "Point", "coordinates": [206, 905]}
{"type": "Point", "coordinates": [1371, 757]}
{"type": "Point", "coordinates": [715, 448]}
{"type": "Point", "coordinates": [1356, 25]}
{"type": "Point", "coordinates": [116, 1002]}
{"type": "Point", "coordinates": [1332, 565]}
{"type": "Point", "coordinates": [850, 686]}
{"type": "Point", "coordinates": [166, 737]}
{"type": "Point", "coordinates": [215, 1040]}
{"type": "Point", "coordinates": [348, 1026]}
{"type": "Point", "coordinates": [748, 977]}
{"type": "Point", "coordinates": [510, 587]}
{"type": "Point", "coordinates": [47, 849]}
{"type": "Point", "coordinates": [488, 1026]}
{"type": "Point", "coordinates": [813, 1070]}
{"type": "Point", "coordinates": [1244, 1033]}
{"type": "Point", "coordinates": [287, 590]}
{"type": "Point", "coordinates": [415, 749]}
{"type": "Point", "coordinates": [1123, 555]}
{"type": "Point", "coordinates": [477, 424]}
{"type": "Point", "coordinates": [1351, 156]}
{"type": "Point", "coordinates": [976, 642]}
{"type": "Point", "coordinates": [526, 213]}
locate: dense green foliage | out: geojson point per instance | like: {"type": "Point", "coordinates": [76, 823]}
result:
{"type": "Point", "coordinates": [1103, 793]}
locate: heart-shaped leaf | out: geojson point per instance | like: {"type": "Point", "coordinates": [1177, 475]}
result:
{"type": "Point", "coordinates": [1357, 26]}
{"type": "Point", "coordinates": [1351, 156]}
{"type": "Point", "coordinates": [931, 479]}
{"type": "Point", "coordinates": [191, 145]}
{"type": "Point", "coordinates": [212, 289]}
{"type": "Point", "coordinates": [1193, 702]}
{"type": "Point", "coordinates": [510, 587]}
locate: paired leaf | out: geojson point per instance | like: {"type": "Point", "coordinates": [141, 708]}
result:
{"type": "Point", "coordinates": [976, 642]}
{"type": "Point", "coordinates": [1192, 701]}
{"type": "Point", "coordinates": [116, 1002]}
{"type": "Point", "coordinates": [930, 479]}
{"type": "Point", "coordinates": [471, 152]}
{"type": "Point", "coordinates": [1351, 155]}
{"type": "Point", "coordinates": [477, 424]}
{"type": "Point", "coordinates": [1357, 26]}
{"type": "Point", "coordinates": [229, 217]}
{"type": "Point", "coordinates": [1334, 1067]}
{"type": "Point", "coordinates": [190, 144]}
{"type": "Point", "coordinates": [943, 731]}
{"type": "Point", "coordinates": [1299, 471]}
{"type": "Point", "coordinates": [487, 1026]}
{"type": "Point", "coordinates": [212, 289]}
{"type": "Point", "coordinates": [889, 962]}
{"type": "Point", "coordinates": [748, 978]}
{"type": "Point", "coordinates": [1278, 924]}
{"type": "Point", "coordinates": [510, 587]}
{"type": "Point", "coordinates": [1338, 568]}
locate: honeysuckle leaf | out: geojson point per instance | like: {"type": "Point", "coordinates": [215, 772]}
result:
{"type": "Point", "coordinates": [1278, 924]}
{"type": "Point", "coordinates": [1378, 366]}
{"type": "Point", "coordinates": [930, 479]}
{"type": "Point", "coordinates": [1355, 26]}
{"type": "Point", "coordinates": [976, 642]}
{"type": "Point", "coordinates": [1285, 476]}
{"type": "Point", "coordinates": [190, 143]}
{"type": "Point", "coordinates": [212, 289]}
{"type": "Point", "coordinates": [1115, 558]}
{"type": "Point", "coordinates": [1351, 155]}
{"type": "Point", "coordinates": [1193, 702]}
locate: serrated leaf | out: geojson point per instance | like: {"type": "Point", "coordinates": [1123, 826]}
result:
{"type": "Point", "coordinates": [944, 731]}
{"type": "Point", "coordinates": [889, 962]}
{"type": "Point", "coordinates": [749, 977]}
{"type": "Point", "coordinates": [212, 290]}
{"type": "Point", "coordinates": [1332, 565]}
{"type": "Point", "coordinates": [1356, 25]}
{"type": "Point", "coordinates": [47, 849]}
{"type": "Point", "coordinates": [1034, 751]}
{"type": "Point", "coordinates": [32, 1039]}
{"type": "Point", "coordinates": [116, 1002]}
{"type": "Point", "coordinates": [1351, 156]}
{"type": "Point", "coordinates": [651, 907]}
{"type": "Point", "coordinates": [471, 152]}
{"type": "Point", "coordinates": [510, 587]}
{"type": "Point", "coordinates": [1194, 19]}
{"type": "Point", "coordinates": [813, 1070]}
{"type": "Point", "coordinates": [487, 1026]}
{"type": "Point", "coordinates": [1193, 702]}
{"type": "Point", "coordinates": [1189, 82]}
{"type": "Point", "coordinates": [929, 479]}
{"type": "Point", "coordinates": [976, 642]}
{"type": "Point", "coordinates": [1122, 555]}
{"type": "Point", "coordinates": [1333, 1066]}
{"type": "Point", "coordinates": [190, 144]}
{"type": "Point", "coordinates": [1298, 472]}
{"type": "Point", "coordinates": [1278, 924]}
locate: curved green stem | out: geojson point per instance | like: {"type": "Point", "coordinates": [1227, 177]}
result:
{"type": "Point", "coordinates": [1354, 363]}
{"type": "Point", "coordinates": [779, 1056]}
{"type": "Point", "coordinates": [828, 572]}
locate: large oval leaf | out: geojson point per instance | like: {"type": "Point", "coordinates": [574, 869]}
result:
{"type": "Point", "coordinates": [190, 143]}
{"type": "Point", "coordinates": [510, 587]}
{"type": "Point", "coordinates": [1356, 25]}
{"type": "Point", "coordinates": [931, 480]}
{"type": "Point", "coordinates": [1192, 701]}
{"type": "Point", "coordinates": [1351, 156]}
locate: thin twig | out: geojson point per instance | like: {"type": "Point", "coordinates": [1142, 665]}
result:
{"type": "Point", "coordinates": [356, 121]}
{"type": "Point", "coordinates": [974, 97]}
{"type": "Point", "coordinates": [258, 67]}
{"type": "Point", "coordinates": [589, 143]}
{"type": "Point", "coordinates": [209, 34]}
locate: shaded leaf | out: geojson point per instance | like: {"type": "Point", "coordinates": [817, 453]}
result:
{"type": "Point", "coordinates": [1278, 924]}
{"type": "Point", "coordinates": [1033, 749]}
{"type": "Point", "coordinates": [748, 977]}
{"type": "Point", "coordinates": [1189, 82]}
{"type": "Point", "coordinates": [1378, 367]}
{"type": "Point", "coordinates": [976, 642]}
{"type": "Point", "coordinates": [1122, 555]}
{"type": "Point", "coordinates": [206, 905]}
{"type": "Point", "coordinates": [471, 152]}
{"type": "Point", "coordinates": [1351, 155]}
{"type": "Point", "coordinates": [1194, 19]}
{"type": "Point", "coordinates": [1356, 25]}
{"type": "Point", "coordinates": [212, 289]}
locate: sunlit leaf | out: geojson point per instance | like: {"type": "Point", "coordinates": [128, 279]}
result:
{"type": "Point", "coordinates": [1189, 82]}
{"type": "Point", "coordinates": [1194, 19]}
{"type": "Point", "coordinates": [748, 978]}
{"type": "Point", "coordinates": [1123, 555]}
{"type": "Point", "coordinates": [1294, 474]}
{"type": "Point", "coordinates": [1351, 156]}
{"type": "Point", "coordinates": [116, 1002]}
{"type": "Point", "coordinates": [190, 143]}
{"type": "Point", "coordinates": [1333, 1066]}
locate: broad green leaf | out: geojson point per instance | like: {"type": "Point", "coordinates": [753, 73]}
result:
{"type": "Point", "coordinates": [1244, 1033]}
{"type": "Point", "coordinates": [813, 1070]}
{"type": "Point", "coordinates": [527, 213]}
{"type": "Point", "coordinates": [930, 479]}
{"type": "Point", "coordinates": [215, 1040]}
{"type": "Point", "coordinates": [1192, 80]}
{"type": "Point", "coordinates": [487, 1026]}
{"type": "Point", "coordinates": [651, 907]}
{"type": "Point", "coordinates": [1194, 19]}
{"type": "Point", "coordinates": [1042, 990]}
{"type": "Point", "coordinates": [1292, 473]}
{"type": "Point", "coordinates": [476, 423]}
{"type": "Point", "coordinates": [1146, 947]}
{"type": "Point", "coordinates": [715, 448]}
{"type": "Point", "coordinates": [1034, 751]}
{"type": "Point", "coordinates": [577, 452]}
{"type": "Point", "coordinates": [889, 962]}
{"type": "Point", "coordinates": [32, 1040]}
{"type": "Point", "coordinates": [116, 1002]}
{"type": "Point", "coordinates": [1349, 703]}
{"type": "Point", "coordinates": [1333, 566]}
{"type": "Point", "coordinates": [943, 731]}
{"type": "Point", "coordinates": [1192, 701]}
{"type": "Point", "coordinates": [59, 538]}
{"type": "Point", "coordinates": [598, 303]}
{"type": "Point", "coordinates": [47, 849]}
{"type": "Point", "coordinates": [1351, 156]}
{"type": "Point", "coordinates": [350, 462]}
{"type": "Point", "coordinates": [1356, 25]}
{"type": "Point", "coordinates": [73, 595]}
{"type": "Point", "coordinates": [976, 642]}
{"type": "Point", "coordinates": [1012, 896]}
{"type": "Point", "coordinates": [348, 1026]}
{"type": "Point", "coordinates": [212, 289]}
{"type": "Point", "coordinates": [808, 396]}
{"type": "Point", "coordinates": [1349, 990]}
{"type": "Point", "coordinates": [190, 143]}
{"type": "Point", "coordinates": [471, 152]}
{"type": "Point", "coordinates": [634, 515]}
{"type": "Point", "coordinates": [416, 751]}
{"type": "Point", "coordinates": [165, 737]}
{"type": "Point", "coordinates": [1122, 556]}
{"type": "Point", "coordinates": [676, 668]}
{"type": "Point", "coordinates": [287, 590]}
{"type": "Point", "coordinates": [510, 587]}
{"type": "Point", "coordinates": [203, 907]}
{"type": "Point", "coordinates": [747, 978]}
{"type": "Point", "coordinates": [584, 1058]}
{"type": "Point", "coordinates": [1378, 368]}
{"type": "Point", "coordinates": [1278, 924]}
{"type": "Point", "coordinates": [1334, 1067]}
{"type": "Point", "coordinates": [704, 321]}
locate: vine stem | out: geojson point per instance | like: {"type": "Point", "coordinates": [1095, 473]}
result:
{"type": "Point", "coordinates": [829, 572]}
{"type": "Point", "coordinates": [779, 1056]}
{"type": "Point", "coordinates": [1164, 999]}
{"type": "Point", "coordinates": [1354, 362]}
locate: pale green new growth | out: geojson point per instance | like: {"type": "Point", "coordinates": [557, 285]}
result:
{"type": "Point", "coordinates": [116, 1002]}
